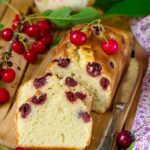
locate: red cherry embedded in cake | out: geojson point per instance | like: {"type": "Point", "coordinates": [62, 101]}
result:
{"type": "Point", "coordinates": [30, 56]}
{"type": "Point", "coordinates": [85, 116]}
{"type": "Point", "coordinates": [17, 47]}
{"type": "Point", "coordinates": [70, 82]}
{"type": "Point", "coordinates": [47, 39]}
{"type": "Point", "coordinates": [4, 96]}
{"type": "Point", "coordinates": [104, 83]}
{"type": "Point", "coordinates": [44, 26]}
{"type": "Point", "coordinates": [32, 31]}
{"type": "Point", "coordinates": [39, 100]}
{"type": "Point", "coordinates": [38, 47]}
{"type": "Point", "coordinates": [19, 148]}
{"type": "Point", "coordinates": [62, 62]}
{"type": "Point", "coordinates": [7, 34]}
{"type": "Point", "coordinates": [94, 69]}
{"type": "Point", "coordinates": [125, 139]}
{"type": "Point", "coordinates": [77, 37]}
{"type": "Point", "coordinates": [15, 22]}
{"type": "Point", "coordinates": [71, 96]}
{"type": "Point", "coordinates": [25, 110]}
{"type": "Point", "coordinates": [80, 95]}
{"type": "Point", "coordinates": [8, 75]}
{"type": "Point", "coordinates": [110, 47]}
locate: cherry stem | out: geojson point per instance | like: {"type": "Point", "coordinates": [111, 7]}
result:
{"type": "Point", "coordinates": [19, 34]}
{"type": "Point", "coordinates": [24, 44]}
{"type": "Point", "coordinates": [10, 6]}
{"type": "Point", "coordinates": [92, 22]}
{"type": "Point", "coordinates": [27, 19]}
{"type": "Point", "coordinates": [8, 55]}
{"type": "Point", "coordinates": [34, 17]}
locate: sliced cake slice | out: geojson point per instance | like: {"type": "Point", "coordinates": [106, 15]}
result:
{"type": "Point", "coordinates": [95, 68]}
{"type": "Point", "coordinates": [51, 115]}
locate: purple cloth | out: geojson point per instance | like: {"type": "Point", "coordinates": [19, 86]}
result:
{"type": "Point", "coordinates": [141, 30]}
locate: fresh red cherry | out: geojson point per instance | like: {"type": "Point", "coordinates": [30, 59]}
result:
{"type": "Point", "coordinates": [44, 26]}
{"type": "Point", "coordinates": [110, 47]}
{"type": "Point", "coordinates": [124, 139]}
{"type": "Point", "coordinates": [15, 22]}
{"type": "Point", "coordinates": [19, 148]}
{"type": "Point", "coordinates": [38, 47]}
{"type": "Point", "coordinates": [7, 34]}
{"type": "Point", "coordinates": [47, 39]}
{"type": "Point", "coordinates": [4, 96]}
{"type": "Point", "coordinates": [8, 75]}
{"type": "Point", "coordinates": [77, 37]}
{"type": "Point", "coordinates": [17, 47]}
{"type": "Point", "coordinates": [1, 70]}
{"type": "Point", "coordinates": [30, 56]}
{"type": "Point", "coordinates": [32, 31]}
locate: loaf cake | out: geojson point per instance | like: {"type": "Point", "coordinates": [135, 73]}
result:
{"type": "Point", "coordinates": [52, 114]}
{"type": "Point", "coordinates": [97, 69]}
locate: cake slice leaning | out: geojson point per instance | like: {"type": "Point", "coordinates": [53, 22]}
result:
{"type": "Point", "coordinates": [98, 71]}
{"type": "Point", "coordinates": [50, 115]}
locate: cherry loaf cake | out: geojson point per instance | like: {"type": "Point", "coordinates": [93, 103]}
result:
{"type": "Point", "coordinates": [53, 115]}
{"type": "Point", "coordinates": [95, 56]}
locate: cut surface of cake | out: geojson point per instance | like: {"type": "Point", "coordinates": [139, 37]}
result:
{"type": "Point", "coordinates": [90, 65]}
{"type": "Point", "coordinates": [53, 115]}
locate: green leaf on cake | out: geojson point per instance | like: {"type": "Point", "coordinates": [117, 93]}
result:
{"type": "Point", "coordinates": [86, 15]}
{"type": "Point", "coordinates": [60, 17]}
{"type": "Point", "coordinates": [47, 13]}
{"type": "Point", "coordinates": [1, 27]}
{"type": "Point", "coordinates": [65, 17]}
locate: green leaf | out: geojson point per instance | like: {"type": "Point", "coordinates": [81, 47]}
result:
{"type": "Point", "coordinates": [1, 27]}
{"type": "Point", "coordinates": [134, 8]}
{"type": "Point", "coordinates": [60, 17]}
{"type": "Point", "coordinates": [86, 15]}
{"type": "Point", "coordinates": [131, 146]}
{"type": "Point", "coordinates": [105, 5]}
{"type": "Point", "coordinates": [46, 13]}
{"type": "Point", "coordinates": [64, 17]}
{"type": "Point", "coordinates": [55, 42]}
{"type": "Point", "coordinates": [2, 1]}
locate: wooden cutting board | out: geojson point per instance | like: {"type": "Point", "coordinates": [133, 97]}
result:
{"type": "Point", "coordinates": [25, 72]}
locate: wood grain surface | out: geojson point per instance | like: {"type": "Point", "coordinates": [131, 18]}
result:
{"type": "Point", "coordinates": [7, 111]}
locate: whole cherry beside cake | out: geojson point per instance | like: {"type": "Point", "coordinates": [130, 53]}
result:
{"type": "Point", "coordinates": [28, 39]}
{"type": "Point", "coordinates": [125, 139]}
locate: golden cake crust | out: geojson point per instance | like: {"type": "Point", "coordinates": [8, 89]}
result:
{"type": "Point", "coordinates": [93, 45]}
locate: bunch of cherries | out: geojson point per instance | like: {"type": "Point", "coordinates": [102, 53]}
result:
{"type": "Point", "coordinates": [28, 40]}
